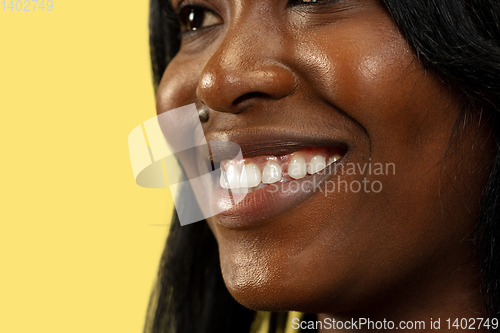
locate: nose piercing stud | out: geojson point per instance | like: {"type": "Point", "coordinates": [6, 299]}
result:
{"type": "Point", "coordinates": [203, 113]}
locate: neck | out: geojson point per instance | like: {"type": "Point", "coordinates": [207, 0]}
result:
{"type": "Point", "coordinates": [452, 304]}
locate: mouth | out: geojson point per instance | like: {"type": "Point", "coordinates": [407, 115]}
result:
{"type": "Point", "coordinates": [277, 173]}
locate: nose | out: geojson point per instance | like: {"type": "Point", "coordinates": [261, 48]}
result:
{"type": "Point", "coordinates": [246, 69]}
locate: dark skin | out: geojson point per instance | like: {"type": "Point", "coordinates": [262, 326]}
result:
{"type": "Point", "coordinates": [341, 69]}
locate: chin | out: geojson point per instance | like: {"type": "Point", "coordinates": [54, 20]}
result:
{"type": "Point", "coordinates": [277, 282]}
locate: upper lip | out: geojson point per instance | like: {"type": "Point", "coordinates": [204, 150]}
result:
{"type": "Point", "coordinates": [266, 141]}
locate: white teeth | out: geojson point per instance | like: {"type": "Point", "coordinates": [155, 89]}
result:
{"type": "Point", "coordinates": [333, 159]}
{"type": "Point", "coordinates": [223, 180]}
{"type": "Point", "coordinates": [316, 164]}
{"type": "Point", "coordinates": [250, 175]}
{"type": "Point", "coordinates": [271, 173]}
{"type": "Point", "coordinates": [232, 176]}
{"type": "Point", "coordinates": [297, 168]}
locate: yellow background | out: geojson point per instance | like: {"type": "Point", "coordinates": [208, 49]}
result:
{"type": "Point", "coordinates": [79, 239]}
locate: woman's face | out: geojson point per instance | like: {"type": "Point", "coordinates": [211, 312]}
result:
{"type": "Point", "coordinates": [331, 78]}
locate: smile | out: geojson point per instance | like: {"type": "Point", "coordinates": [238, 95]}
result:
{"type": "Point", "coordinates": [276, 174]}
{"type": "Point", "coordinates": [256, 172]}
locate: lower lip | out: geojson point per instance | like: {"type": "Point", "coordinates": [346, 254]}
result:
{"type": "Point", "coordinates": [273, 200]}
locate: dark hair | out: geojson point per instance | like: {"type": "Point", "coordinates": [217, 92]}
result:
{"type": "Point", "coordinates": [459, 41]}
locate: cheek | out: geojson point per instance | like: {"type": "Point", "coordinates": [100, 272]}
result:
{"type": "Point", "coordinates": [354, 63]}
{"type": "Point", "coordinates": [372, 76]}
{"type": "Point", "coordinates": [178, 85]}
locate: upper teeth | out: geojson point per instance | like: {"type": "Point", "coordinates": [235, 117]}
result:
{"type": "Point", "coordinates": [316, 164]}
{"type": "Point", "coordinates": [251, 175]}
{"type": "Point", "coordinates": [297, 168]}
{"type": "Point", "coordinates": [271, 173]}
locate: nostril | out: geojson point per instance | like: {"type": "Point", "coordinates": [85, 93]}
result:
{"type": "Point", "coordinates": [240, 100]}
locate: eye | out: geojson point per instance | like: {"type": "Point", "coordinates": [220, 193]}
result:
{"type": "Point", "coordinates": [196, 17]}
